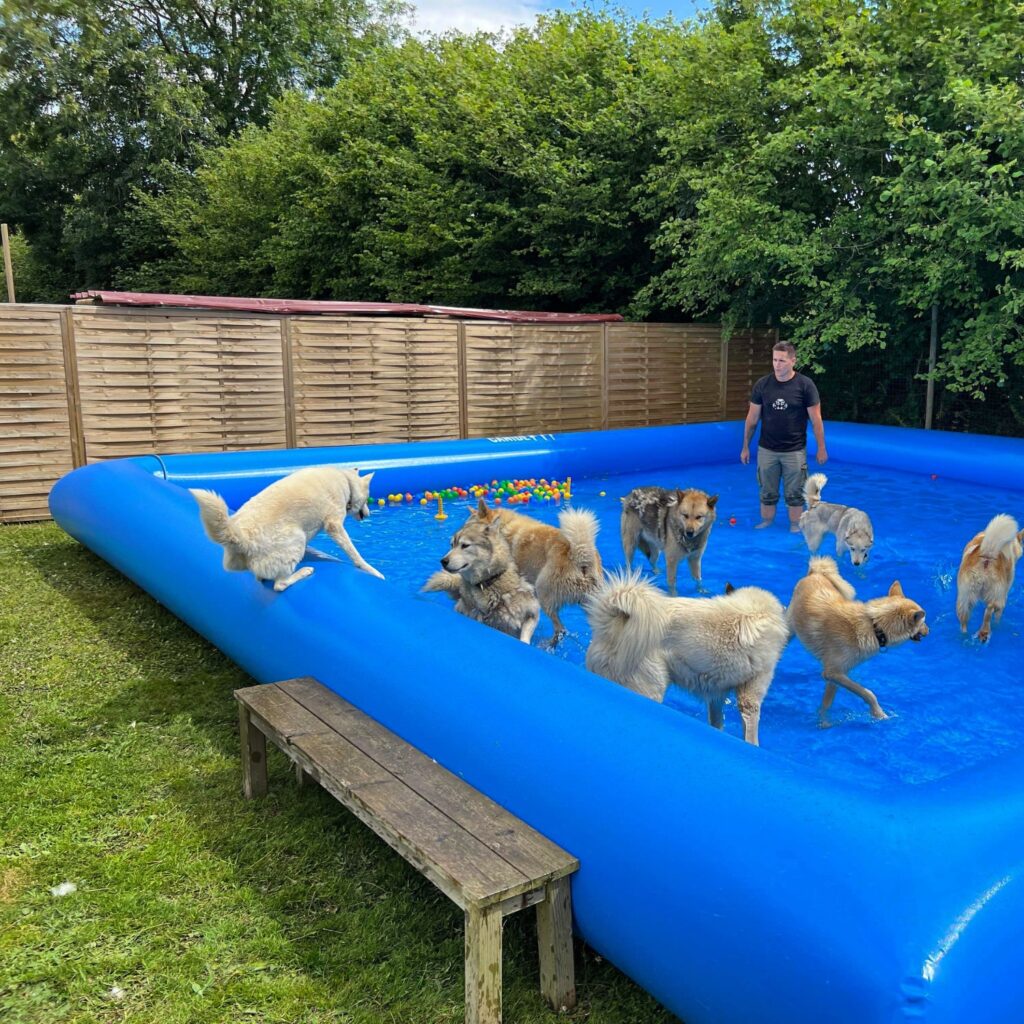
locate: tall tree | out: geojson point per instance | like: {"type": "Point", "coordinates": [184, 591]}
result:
{"type": "Point", "coordinates": [100, 100]}
{"type": "Point", "coordinates": [868, 168]}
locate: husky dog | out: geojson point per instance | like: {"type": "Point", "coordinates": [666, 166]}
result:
{"type": "Point", "coordinates": [851, 526]}
{"type": "Point", "coordinates": [268, 535]}
{"type": "Point", "coordinates": [842, 632]}
{"type": "Point", "coordinates": [676, 522]}
{"type": "Point", "coordinates": [986, 572]}
{"type": "Point", "coordinates": [562, 564]}
{"type": "Point", "coordinates": [645, 640]}
{"type": "Point", "coordinates": [482, 579]}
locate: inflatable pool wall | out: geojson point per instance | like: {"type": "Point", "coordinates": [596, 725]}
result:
{"type": "Point", "coordinates": [734, 885]}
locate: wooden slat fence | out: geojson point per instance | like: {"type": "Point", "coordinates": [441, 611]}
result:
{"type": "Point", "coordinates": [85, 383]}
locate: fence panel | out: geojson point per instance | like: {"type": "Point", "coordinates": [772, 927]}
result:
{"type": "Point", "coordinates": [36, 446]}
{"type": "Point", "coordinates": [360, 380]}
{"type": "Point", "coordinates": [533, 378]}
{"type": "Point", "coordinates": [154, 381]}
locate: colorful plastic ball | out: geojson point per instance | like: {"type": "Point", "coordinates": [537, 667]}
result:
{"type": "Point", "coordinates": [380, 502]}
{"type": "Point", "coordinates": [732, 521]}
{"type": "Point", "coordinates": [602, 494]}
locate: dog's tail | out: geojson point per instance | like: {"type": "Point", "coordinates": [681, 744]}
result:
{"type": "Point", "coordinates": [813, 486]}
{"type": "Point", "coordinates": [447, 582]}
{"type": "Point", "coordinates": [1000, 534]}
{"type": "Point", "coordinates": [579, 527]}
{"type": "Point", "coordinates": [825, 566]}
{"type": "Point", "coordinates": [627, 611]}
{"type": "Point", "coordinates": [213, 511]}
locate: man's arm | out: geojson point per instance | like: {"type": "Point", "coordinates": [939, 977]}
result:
{"type": "Point", "coordinates": [817, 424]}
{"type": "Point", "coordinates": [749, 425]}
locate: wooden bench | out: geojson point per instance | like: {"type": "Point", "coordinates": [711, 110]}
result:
{"type": "Point", "coordinates": [484, 858]}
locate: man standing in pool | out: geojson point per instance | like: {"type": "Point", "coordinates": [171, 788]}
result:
{"type": "Point", "coordinates": [783, 401]}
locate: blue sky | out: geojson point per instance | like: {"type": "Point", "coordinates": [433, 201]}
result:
{"type": "Point", "coordinates": [492, 15]}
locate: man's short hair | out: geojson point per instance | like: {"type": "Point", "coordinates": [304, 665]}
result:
{"type": "Point", "coordinates": [785, 346]}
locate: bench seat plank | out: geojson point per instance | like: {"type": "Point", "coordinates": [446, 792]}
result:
{"type": "Point", "coordinates": [523, 847]}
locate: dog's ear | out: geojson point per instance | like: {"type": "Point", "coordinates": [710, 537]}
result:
{"type": "Point", "coordinates": [712, 501]}
{"type": "Point", "coordinates": [673, 498]}
{"type": "Point", "coordinates": [481, 508]}
{"type": "Point", "coordinates": [367, 478]}
{"type": "Point", "coordinates": [896, 590]}
{"type": "Point", "coordinates": [729, 588]}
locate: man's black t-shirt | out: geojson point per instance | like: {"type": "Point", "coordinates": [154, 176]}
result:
{"type": "Point", "coordinates": [784, 411]}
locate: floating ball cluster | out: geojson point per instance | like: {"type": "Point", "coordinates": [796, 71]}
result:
{"type": "Point", "coordinates": [509, 492]}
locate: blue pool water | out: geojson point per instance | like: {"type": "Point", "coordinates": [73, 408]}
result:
{"type": "Point", "coordinates": [951, 700]}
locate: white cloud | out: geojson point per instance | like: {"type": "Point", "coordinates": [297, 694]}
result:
{"type": "Point", "coordinates": [472, 15]}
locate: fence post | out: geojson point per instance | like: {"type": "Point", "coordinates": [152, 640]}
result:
{"type": "Point", "coordinates": [460, 335]}
{"type": "Point", "coordinates": [604, 376]}
{"type": "Point", "coordinates": [71, 387]}
{"type": "Point", "coordinates": [8, 268]}
{"type": "Point", "coordinates": [933, 350]}
{"type": "Point", "coordinates": [723, 383]}
{"type": "Point", "coordinates": [288, 382]}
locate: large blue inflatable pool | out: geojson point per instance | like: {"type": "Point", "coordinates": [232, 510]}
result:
{"type": "Point", "coordinates": [735, 884]}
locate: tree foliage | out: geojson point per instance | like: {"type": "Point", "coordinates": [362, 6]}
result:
{"type": "Point", "coordinates": [103, 101]}
{"type": "Point", "coordinates": [450, 170]}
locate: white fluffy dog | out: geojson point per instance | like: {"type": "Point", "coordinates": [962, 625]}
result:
{"type": "Point", "coordinates": [709, 646]}
{"type": "Point", "coordinates": [268, 535]}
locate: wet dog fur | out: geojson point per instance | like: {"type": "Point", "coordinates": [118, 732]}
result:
{"type": "Point", "coordinates": [268, 535]}
{"type": "Point", "coordinates": [655, 519]}
{"type": "Point", "coordinates": [480, 575]}
{"type": "Point", "coordinates": [645, 640]}
{"type": "Point", "coordinates": [842, 632]}
{"type": "Point", "coordinates": [851, 526]}
{"type": "Point", "coordinates": [562, 563]}
{"type": "Point", "coordinates": [986, 573]}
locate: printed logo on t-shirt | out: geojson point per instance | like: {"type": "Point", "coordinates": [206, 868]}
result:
{"type": "Point", "coordinates": [780, 404]}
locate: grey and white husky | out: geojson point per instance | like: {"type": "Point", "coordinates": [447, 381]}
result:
{"type": "Point", "coordinates": [852, 527]}
{"type": "Point", "coordinates": [481, 577]}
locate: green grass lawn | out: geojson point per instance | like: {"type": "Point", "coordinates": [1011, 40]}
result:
{"type": "Point", "coordinates": [119, 772]}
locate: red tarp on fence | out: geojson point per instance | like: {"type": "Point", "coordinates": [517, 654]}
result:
{"type": "Point", "coordinates": [350, 308]}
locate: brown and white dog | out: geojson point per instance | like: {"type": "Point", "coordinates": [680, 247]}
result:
{"type": "Point", "coordinates": [562, 563]}
{"type": "Point", "coordinates": [842, 632]}
{"type": "Point", "coordinates": [986, 572]}
{"type": "Point", "coordinates": [677, 522]}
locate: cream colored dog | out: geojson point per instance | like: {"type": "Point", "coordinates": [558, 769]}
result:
{"type": "Point", "coordinates": [709, 646]}
{"type": "Point", "coordinates": [986, 572]}
{"type": "Point", "coordinates": [268, 535]}
{"type": "Point", "coordinates": [842, 632]}
{"type": "Point", "coordinates": [562, 564]}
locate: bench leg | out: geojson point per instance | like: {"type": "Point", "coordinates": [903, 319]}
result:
{"type": "Point", "coordinates": [554, 941]}
{"type": "Point", "coordinates": [254, 756]}
{"type": "Point", "coordinates": [483, 965]}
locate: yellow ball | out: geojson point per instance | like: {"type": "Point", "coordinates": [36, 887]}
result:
{"type": "Point", "coordinates": [380, 502]}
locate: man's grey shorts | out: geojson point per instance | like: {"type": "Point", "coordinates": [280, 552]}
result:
{"type": "Point", "coordinates": [790, 466]}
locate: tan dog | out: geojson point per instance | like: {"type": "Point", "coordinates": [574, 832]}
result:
{"type": "Point", "coordinates": [268, 535]}
{"type": "Point", "coordinates": [562, 564]}
{"type": "Point", "coordinates": [481, 577]}
{"type": "Point", "coordinates": [986, 572]}
{"type": "Point", "coordinates": [677, 522]}
{"type": "Point", "coordinates": [644, 640]}
{"type": "Point", "coordinates": [842, 632]}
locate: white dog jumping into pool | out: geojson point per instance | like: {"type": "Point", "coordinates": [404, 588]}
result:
{"type": "Point", "coordinates": [268, 535]}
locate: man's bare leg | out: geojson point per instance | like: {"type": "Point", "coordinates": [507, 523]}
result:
{"type": "Point", "coordinates": [767, 517]}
